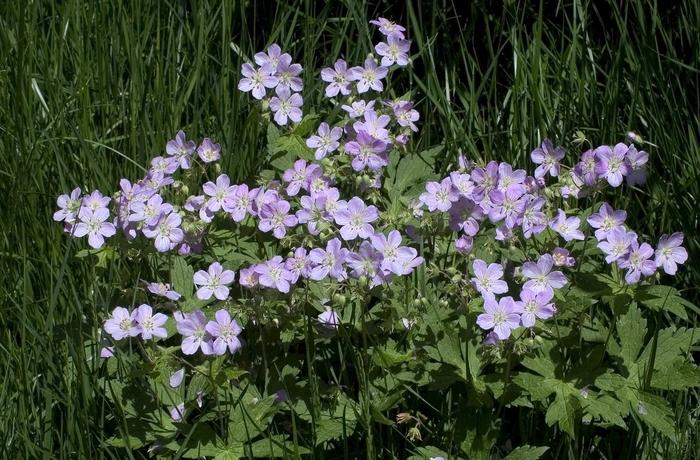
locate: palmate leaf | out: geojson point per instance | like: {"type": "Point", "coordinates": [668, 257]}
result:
{"type": "Point", "coordinates": [409, 172]}
{"type": "Point", "coordinates": [652, 410]}
{"type": "Point", "coordinates": [181, 277]}
{"type": "Point", "coordinates": [606, 409]}
{"type": "Point", "coordinates": [565, 412]}
{"type": "Point", "coordinates": [631, 328]}
{"type": "Point", "coordinates": [679, 374]}
{"type": "Point", "coordinates": [664, 298]}
{"type": "Point", "coordinates": [526, 453]}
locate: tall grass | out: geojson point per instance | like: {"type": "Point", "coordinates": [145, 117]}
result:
{"type": "Point", "coordinates": [91, 90]}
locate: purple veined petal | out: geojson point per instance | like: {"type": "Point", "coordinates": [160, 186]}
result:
{"type": "Point", "coordinates": [176, 378]}
{"type": "Point", "coordinates": [227, 277]}
{"type": "Point", "coordinates": [485, 321]}
{"type": "Point", "coordinates": [201, 277]}
{"type": "Point", "coordinates": [221, 292]}
{"type": "Point", "coordinates": [190, 345]}
{"type": "Point", "coordinates": [178, 412]}
{"type": "Point", "coordinates": [96, 240]}
{"type": "Point", "coordinates": [234, 345]}
{"type": "Point", "coordinates": [222, 317]}
{"type": "Point", "coordinates": [219, 347]}
{"type": "Point", "coordinates": [204, 293]}
{"type": "Point", "coordinates": [502, 331]}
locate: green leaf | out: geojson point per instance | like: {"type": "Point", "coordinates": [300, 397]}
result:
{"type": "Point", "coordinates": [306, 126]}
{"type": "Point", "coordinates": [632, 328]}
{"type": "Point", "coordinates": [181, 277]}
{"type": "Point", "coordinates": [662, 298]}
{"type": "Point", "coordinates": [539, 387]}
{"type": "Point", "coordinates": [653, 411]}
{"type": "Point", "coordinates": [564, 411]}
{"type": "Point", "coordinates": [605, 408]}
{"type": "Point", "coordinates": [410, 170]}
{"type": "Point", "coordinates": [610, 382]}
{"type": "Point", "coordinates": [526, 453]}
{"type": "Point", "coordinates": [679, 374]}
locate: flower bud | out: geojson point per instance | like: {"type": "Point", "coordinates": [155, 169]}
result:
{"type": "Point", "coordinates": [339, 299]}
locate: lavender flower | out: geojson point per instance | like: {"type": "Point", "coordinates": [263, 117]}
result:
{"type": "Point", "coordinates": [533, 221]}
{"type": "Point", "coordinates": [94, 224]}
{"type": "Point", "coordinates": [612, 165]}
{"type": "Point", "coordinates": [669, 252]}
{"type": "Point", "coordinates": [355, 220]}
{"type": "Point", "coordinates": [166, 232]}
{"type": "Point", "coordinates": [388, 28]}
{"type": "Point", "coordinates": [374, 125]}
{"type": "Point", "coordinates": [369, 76]}
{"type": "Point", "coordinates": [177, 413]}
{"type": "Point", "coordinates": [638, 262]}
{"type": "Point", "coordinates": [541, 277]}
{"type": "Point", "coordinates": [225, 332]}
{"type": "Point", "coordinates": [163, 290]}
{"type": "Point", "coordinates": [487, 279]}
{"type": "Point", "coordinates": [567, 227]}
{"type": "Point", "coordinates": [338, 79]}
{"type": "Point", "coordinates": [313, 213]}
{"type": "Point", "coordinates": [508, 205]}
{"type": "Point", "coordinates": [299, 265]}
{"type": "Point", "coordinates": [395, 50]}
{"type": "Point", "coordinates": [176, 378]}
{"type": "Point", "coordinates": [69, 206]}
{"type": "Point", "coordinates": [286, 105]}
{"type": "Point", "coordinates": [329, 319]}
{"type": "Point", "coordinates": [533, 305]}
{"type": "Point", "coordinates": [586, 168]}
{"type": "Point", "coordinates": [271, 58]}
{"type": "Point", "coordinates": [548, 158]}
{"type": "Point", "coordinates": [121, 324]}
{"type": "Point", "coordinates": [605, 220]}
{"type": "Point", "coordinates": [208, 151]}
{"type": "Point", "coordinates": [366, 262]}
{"type": "Point", "coordinates": [562, 258]}
{"type": "Point", "coordinates": [406, 115]}
{"type": "Point", "coordinates": [239, 203]}
{"type": "Point", "coordinates": [273, 274]}
{"type": "Point", "coordinates": [367, 152]}
{"type": "Point", "coordinates": [326, 141]}
{"type": "Point", "coordinates": [95, 201]}
{"type": "Point", "coordinates": [276, 217]}
{"type": "Point", "coordinates": [329, 261]}
{"type": "Point", "coordinates": [148, 324]}
{"type": "Point", "coordinates": [439, 195]}
{"type": "Point", "coordinates": [192, 327]}
{"type": "Point", "coordinates": [149, 212]}
{"type": "Point", "coordinates": [500, 316]}
{"type": "Point", "coordinates": [617, 244]}
{"type": "Point", "coordinates": [257, 80]}
{"type": "Point", "coordinates": [464, 244]}
{"type": "Point", "coordinates": [213, 281]}
{"type": "Point", "coordinates": [465, 216]}
{"type": "Point", "coordinates": [299, 175]}
{"type": "Point", "coordinates": [288, 74]}
{"type": "Point", "coordinates": [358, 108]}
{"type": "Point", "coordinates": [637, 160]}
{"type": "Point", "coordinates": [163, 165]}
{"type": "Point", "coordinates": [181, 149]}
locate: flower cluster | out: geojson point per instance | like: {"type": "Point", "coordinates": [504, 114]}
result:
{"type": "Point", "coordinates": [275, 70]}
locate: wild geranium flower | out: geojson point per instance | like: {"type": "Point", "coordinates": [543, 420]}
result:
{"type": "Point", "coordinates": [617, 244]}
{"type": "Point", "coordinates": [326, 141]}
{"type": "Point", "coordinates": [121, 324]}
{"type": "Point", "coordinates": [562, 258]}
{"type": "Point", "coordinates": [273, 274]}
{"type": "Point", "coordinates": [218, 192]}
{"type": "Point", "coordinates": [637, 160]}
{"type": "Point", "coordinates": [299, 265]}
{"type": "Point", "coordinates": [508, 205]}
{"type": "Point", "coordinates": [388, 28]}
{"type": "Point", "coordinates": [612, 165]}
{"type": "Point", "coordinates": [533, 305]}
{"type": "Point", "coordinates": [329, 262]}
{"type": "Point", "coordinates": [257, 81]}
{"type": "Point", "coordinates": [499, 315]}
{"type": "Point", "coordinates": [533, 221]}
{"type": "Point", "coordinates": [239, 203]}
{"type": "Point", "coordinates": [587, 166]}
{"type": "Point", "coordinates": [94, 224]}
{"type": "Point", "coordinates": [406, 115]}
{"type": "Point", "coordinates": [670, 253]}
{"type": "Point", "coordinates": [181, 149]}
{"type": "Point", "coordinates": [192, 326]}
{"type": "Point", "coordinates": [388, 246]}
{"type": "Point", "coordinates": [288, 73]}
{"type": "Point", "coordinates": [329, 319]}
{"type": "Point", "coordinates": [605, 220]}
{"type": "Point", "coordinates": [548, 158]}
{"type": "Point", "coordinates": [271, 58]}
{"type": "Point", "coordinates": [177, 413]}
{"type": "Point", "coordinates": [68, 205]}
{"type": "Point", "coordinates": [286, 105]}
{"type": "Point", "coordinates": [209, 151]}
{"type": "Point", "coordinates": [485, 179]}
{"type": "Point", "coordinates": [572, 185]}
{"type": "Point", "coordinates": [338, 79]}
{"type": "Point", "coordinates": [164, 165]}
{"type": "Point", "coordinates": [367, 152]}
{"type": "Point", "coordinates": [358, 108]}
{"type": "Point", "coordinates": [298, 176]}
{"type": "Point", "coordinates": [439, 195]}
{"type": "Point", "coordinates": [407, 260]}
{"type": "Point", "coordinates": [508, 179]}
{"type": "Point", "coordinates": [333, 202]}
{"type": "Point", "coordinates": [567, 227]}
{"type": "Point", "coordinates": [149, 212]}
{"type": "Point", "coordinates": [214, 281]}
{"type": "Point", "coordinates": [638, 262]}
{"type": "Point", "coordinates": [176, 378]}
{"type": "Point", "coordinates": [157, 180]}
{"type": "Point", "coordinates": [465, 215]}
{"type": "Point", "coordinates": [366, 262]}
{"type": "Point", "coordinates": [313, 213]}
{"type": "Point", "coordinates": [225, 332]}
{"type": "Point", "coordinates": [148, 324]}
{"type": "Point", "coordinates": [487, 278]}
{"type": "Point", "coordinates": [374, 125]}
{"type": "Point", "coordinates": [369, 76]}
{"type": "Point", "coordinates": [541, 277]}
{"type": "Point", "coordinates": [395, 50]}
{"type": "Point", "coordinates": [95, 201]}
{"type": "Point", "coordinates": [276, 217]}
{"type": "Point", "coordinates": [355, 220]}
{"type": "Point", "coordinates": [163, 290]}
{"type": "Point", "coordinates": [166, 232]}
{"type": "Point", "coordinates": [464, 244]}
{"type": "Point", "coordinates": [248, 277]}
